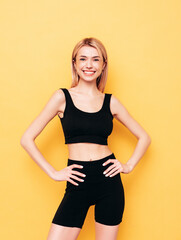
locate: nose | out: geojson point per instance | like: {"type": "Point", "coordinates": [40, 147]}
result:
{"type": "Point", "coordinates": [89, 64]}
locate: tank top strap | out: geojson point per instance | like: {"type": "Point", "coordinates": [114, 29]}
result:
{"type": "Point", "coordinates": [67, 96]}
{"type": "Point", "coordinates": [107, 102]}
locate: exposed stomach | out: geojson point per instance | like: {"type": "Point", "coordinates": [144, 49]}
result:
{"type": "Point", "coordinates": [87, 151]}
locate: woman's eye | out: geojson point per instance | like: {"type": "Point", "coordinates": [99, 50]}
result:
{"type": "Point", "coordinates": [84, 59]}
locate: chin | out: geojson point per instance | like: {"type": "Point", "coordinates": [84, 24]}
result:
{"type": "Point", "coordinates": [87, 78]}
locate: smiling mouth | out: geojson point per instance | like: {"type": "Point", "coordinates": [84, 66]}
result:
{"type": "Point", "coordinates": [88, 72]}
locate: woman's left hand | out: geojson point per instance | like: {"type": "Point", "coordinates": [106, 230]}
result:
{"type": "Point", "coordinates": [116, 167]}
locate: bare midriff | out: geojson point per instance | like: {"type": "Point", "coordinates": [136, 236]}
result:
{"type": "Point", "coordinates": [87, 151]}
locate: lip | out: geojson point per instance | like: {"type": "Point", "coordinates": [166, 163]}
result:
{"type": "Point", "coordinates": [89, 73]}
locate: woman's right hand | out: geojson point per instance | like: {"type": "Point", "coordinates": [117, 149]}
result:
{"type": "Point", "coordinates": [67, 173]}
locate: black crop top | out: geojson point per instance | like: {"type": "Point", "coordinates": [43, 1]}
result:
{"type": "Point", "coordinates": [79, 126]}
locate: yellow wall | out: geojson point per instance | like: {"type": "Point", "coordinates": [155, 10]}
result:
{"type": "Point", "coordinates": [142, 39]}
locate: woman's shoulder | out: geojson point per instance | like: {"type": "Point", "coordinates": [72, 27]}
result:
{"type": "Point", "coordinates": [58, 95]}
{"type": "Point", "coordinates": [116, 104]}
{"type": "Point", "coordinates": [114, 98]}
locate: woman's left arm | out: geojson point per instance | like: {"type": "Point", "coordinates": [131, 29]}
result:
{"type": "Point", "coordinates": [122, 115]}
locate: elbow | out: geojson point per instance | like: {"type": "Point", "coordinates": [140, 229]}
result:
{"type": "Point", "coordinates": [148, 139]}
{"type": "Point", "coordinates": [24, 141]}
{"type": "Point", "coordinates": [145, 137]}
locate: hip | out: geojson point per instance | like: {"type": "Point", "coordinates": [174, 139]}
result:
{"type": "Point", "coordinates": [95, 180]}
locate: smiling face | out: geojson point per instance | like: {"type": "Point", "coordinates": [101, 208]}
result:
{"type": "Point", "coordinates": [89, 63]}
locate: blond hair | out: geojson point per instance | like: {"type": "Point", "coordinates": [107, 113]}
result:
{"type": "Point", "coordinates": [92, 42]}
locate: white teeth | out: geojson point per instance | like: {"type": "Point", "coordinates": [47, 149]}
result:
{"type": "Point", "coordinates": [87, 72]}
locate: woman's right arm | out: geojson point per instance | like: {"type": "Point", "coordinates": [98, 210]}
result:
{"type": "Point", "coordinates": [50, 110]}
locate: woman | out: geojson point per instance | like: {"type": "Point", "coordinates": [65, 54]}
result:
{"type": "Point", "coordinates": [86, 115]}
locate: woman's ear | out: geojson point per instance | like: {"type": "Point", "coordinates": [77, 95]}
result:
{"type": "Point", "coordinates": [104, 65]}
{"type": "Point", "coordinates": [74, 63]}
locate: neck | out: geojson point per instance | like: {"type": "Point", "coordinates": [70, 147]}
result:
{"type": "Point", "coordinates": [90, 88]}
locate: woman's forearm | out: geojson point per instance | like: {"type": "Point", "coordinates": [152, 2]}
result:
{"type": "Point", "coordinates": [36, 155]}
{"type": "Point", "coordinates": [139, 151]}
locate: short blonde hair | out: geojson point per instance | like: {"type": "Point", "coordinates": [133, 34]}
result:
{"type": "Point", "coordinates": [92, 42]}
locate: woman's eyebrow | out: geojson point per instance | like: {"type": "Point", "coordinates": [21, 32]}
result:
{"type": "Point", "coordinates": [92, 57]}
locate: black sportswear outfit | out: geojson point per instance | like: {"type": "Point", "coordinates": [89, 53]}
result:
{"type": "Point", "coordinates": [106, 193]}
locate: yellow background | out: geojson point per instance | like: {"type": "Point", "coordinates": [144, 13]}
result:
{"type": "Point", "coordinates": [142, 39]}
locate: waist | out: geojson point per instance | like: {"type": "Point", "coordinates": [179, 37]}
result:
{"type": "Point", "coordinates": [94, 162]}
{"type": "Point", "coordinates": [88, 151]}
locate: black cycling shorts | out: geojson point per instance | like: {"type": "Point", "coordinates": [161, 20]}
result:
{"type": "Point", "coordinates": [106, 193]}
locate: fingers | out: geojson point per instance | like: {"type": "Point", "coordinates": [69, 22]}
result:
{"type": "Point", "coordinates": [75, 166]}
{"type": "Point", "coordinates": [115, 173]}
{"type": "Point", "coordinates": [116, 166]}
{"type": "Point", "coordinates": [77, 173]}
{"type": "Point", "coordinates": [114, 161]}
{"type": "Point", "coordinates": [109, 161]}
{"type": "Point", "coordinates": [71, 181]}
{"type": "Point", "coordinates": [76, 178]}
{"type": "Point", "coordinates": [112, 173]}
{"type": "Point", "coordinates": [109, 168]}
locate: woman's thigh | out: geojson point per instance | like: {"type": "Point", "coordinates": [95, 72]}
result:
{"type": "Point", "coordinates": [110, 202]}
{"type": "Point", "coordinates": [105, 232]}
{"type": "Point", "coordinates": [58, 232]}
